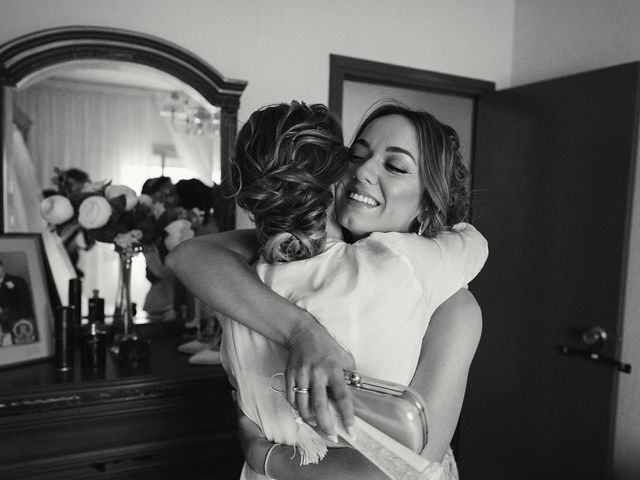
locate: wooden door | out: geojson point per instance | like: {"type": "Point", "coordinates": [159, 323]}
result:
{"type": "Point", "coordinates": [553, 171]}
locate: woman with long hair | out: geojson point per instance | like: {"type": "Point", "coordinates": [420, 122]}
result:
{"type": "Point", "coordinates": [403, 175]}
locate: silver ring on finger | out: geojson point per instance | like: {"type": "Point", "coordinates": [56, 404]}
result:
{"type": "Point", "coordinates": [300, 390]}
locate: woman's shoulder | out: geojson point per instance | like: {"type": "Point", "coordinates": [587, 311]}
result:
{"type": "Point", "coordinates": [460, 232]}
{"type": "Point", "coordinates": [461, 246]}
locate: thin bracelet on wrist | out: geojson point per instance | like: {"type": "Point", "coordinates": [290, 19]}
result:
{"type": "Point", "coordinates": [266, 461]}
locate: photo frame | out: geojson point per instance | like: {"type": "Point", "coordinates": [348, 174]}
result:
{"type": "Point", "coordinates": [26, 317]}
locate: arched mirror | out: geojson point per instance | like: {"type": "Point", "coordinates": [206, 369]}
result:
{"type": "Point", "coordinates": [118, 106]}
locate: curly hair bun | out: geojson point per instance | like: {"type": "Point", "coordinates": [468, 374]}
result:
{"type": "Point", "coordinates": [287, 157]}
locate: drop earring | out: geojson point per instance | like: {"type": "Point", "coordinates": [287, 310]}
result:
{"type": "Point", "coordinates": [421, 227]}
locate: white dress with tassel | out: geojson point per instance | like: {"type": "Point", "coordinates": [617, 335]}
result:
{"type": "Point", "coordinates": [375, 296]}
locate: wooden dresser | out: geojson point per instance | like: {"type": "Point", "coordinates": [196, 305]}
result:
{"type": "Point", "coordinates": [168, 419]}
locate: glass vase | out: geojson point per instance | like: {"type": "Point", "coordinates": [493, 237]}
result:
{"type": "Point", "coordinates": [123, 314]}
{"type": "Point", "coordinates": [129, 347]}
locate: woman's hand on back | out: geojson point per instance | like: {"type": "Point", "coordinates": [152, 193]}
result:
{"type": "Point", "coordinates": [317, 363]}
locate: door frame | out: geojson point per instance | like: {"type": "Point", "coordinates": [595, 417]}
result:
{"type": "Point", "coordinates": [343, 68]}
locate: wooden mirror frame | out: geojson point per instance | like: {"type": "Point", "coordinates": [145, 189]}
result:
{"type": "Point", "coordinates": [25, 56]}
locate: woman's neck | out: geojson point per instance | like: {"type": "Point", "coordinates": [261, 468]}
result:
{"type": "Point", "coordinates": [349, 237]}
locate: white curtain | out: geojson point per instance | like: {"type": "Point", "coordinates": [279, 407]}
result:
{"type": "Point", "coordinates": [97, 128]}
{"type": "Point", "coordinates": [107, 132]}
{"type": "Point", "coordinates": [24, 207]}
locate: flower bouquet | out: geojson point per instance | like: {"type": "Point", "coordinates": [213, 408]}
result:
{"type": "Point", "coordinates": [116, 214]}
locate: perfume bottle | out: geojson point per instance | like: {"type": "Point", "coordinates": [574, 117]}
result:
{"type": "Point", "coordinates": [75, 301]}
{"type": "Point", "coordinates": [94, 347]}
{"type": "Point", "coordinates": [63, 338]}
{"type": "Point", "coordinates": [96, 308]}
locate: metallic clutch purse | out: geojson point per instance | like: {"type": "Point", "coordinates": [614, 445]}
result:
{"type": "Point", "coordinates": [396, 410]}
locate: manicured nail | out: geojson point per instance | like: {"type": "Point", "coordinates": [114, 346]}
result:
{"type": "Point", "coordinates": [333, 438]}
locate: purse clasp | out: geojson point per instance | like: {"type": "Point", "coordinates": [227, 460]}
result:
{"type": "Point", "coordinates": [353, 378]}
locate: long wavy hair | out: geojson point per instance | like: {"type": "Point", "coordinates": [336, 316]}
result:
{"type": "Point", "coordinates": [446, 198]}
{"type": "Point", "coordinates": [287, 158]}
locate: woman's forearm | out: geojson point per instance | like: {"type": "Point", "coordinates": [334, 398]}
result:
{"type": "Point", "coordinates": [217, 271]}
{"type": "Point", "coordinates": [342, 463]}
{"type": "Point", "coordinates": [284, 461]}
{"type": "Point", "coordinates": [448, 348]}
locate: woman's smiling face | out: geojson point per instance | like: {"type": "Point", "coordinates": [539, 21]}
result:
{"type": "Point", "coordinates": [382, 189]}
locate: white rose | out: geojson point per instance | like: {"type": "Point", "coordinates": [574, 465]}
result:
{"type": "Point", "coordinates": [94, 212]}
{"type": "Point", "coordinates": [198, 216]}
{"type": "Point", "coordinates": [91, 187]}
{"type": "Point", "coordinates": [56, 209]}
{"type": "Point", "coordinates": [158, 209]}
{"type": "Point", "coordinates": [145, 200]}
{"type": "Point", "coordinates": [177, 231]}
{"type": "Point", "coordinates": [136, 234]}
{"type": "Point", "coordinates": [113, 191]}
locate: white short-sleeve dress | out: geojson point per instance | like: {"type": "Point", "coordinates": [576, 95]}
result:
{"type": "Point", "coordinates": [375, 296]}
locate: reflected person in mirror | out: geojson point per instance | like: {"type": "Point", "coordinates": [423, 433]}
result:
{"type": "Point", "coordinates": [159, 303]}
{"type": "Point", "coordinates": [194, 193]}
{"type": "Point", "coordinates": [201, 321]}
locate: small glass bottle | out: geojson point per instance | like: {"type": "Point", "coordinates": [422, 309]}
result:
{"type": "Point", "coordinates": [94, 348]}
{"type": "Point", "coordinates": [96, 308]}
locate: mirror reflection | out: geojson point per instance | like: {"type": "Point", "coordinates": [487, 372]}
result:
{"type": "Point", "coordinates": [93, 121]}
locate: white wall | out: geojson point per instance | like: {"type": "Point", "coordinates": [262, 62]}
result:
{"type": "Point", "coordinates": [282, 47]}
{"type": "Point", "coordinates": [554, 38]}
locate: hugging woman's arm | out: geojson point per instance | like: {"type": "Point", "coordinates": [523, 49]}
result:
{"type": "Point", "coordinates": [216, 268]}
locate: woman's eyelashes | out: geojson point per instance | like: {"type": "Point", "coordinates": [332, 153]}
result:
{"type": "Point", "coordinates": [392, 165]}
{"type": "Point", "coordinates": [396, 167]}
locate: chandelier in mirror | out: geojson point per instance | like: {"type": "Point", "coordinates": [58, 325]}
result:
{"type": "Point", "coordinates": [186, 116]}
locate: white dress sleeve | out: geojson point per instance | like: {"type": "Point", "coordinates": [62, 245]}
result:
{"type": "Point", "coordinates": [444, 264]}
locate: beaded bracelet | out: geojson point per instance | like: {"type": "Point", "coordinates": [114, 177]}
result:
{"type": "Point", "coordinates": [266, 461]}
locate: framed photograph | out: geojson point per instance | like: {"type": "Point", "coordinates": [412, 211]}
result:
{"type": "Point", "coordinates": [26, 317]}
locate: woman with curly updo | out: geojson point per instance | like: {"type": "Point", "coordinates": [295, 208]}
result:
{"type": "Point", "coordinates": [287, 160]}
{"type": "Point", "coordinates": [400, 195]}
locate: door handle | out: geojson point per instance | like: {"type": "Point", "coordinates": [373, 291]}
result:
{"type": "Point", "coordinates": [596, 357]}
{"type": "Point", "coordinates": [595, 337]}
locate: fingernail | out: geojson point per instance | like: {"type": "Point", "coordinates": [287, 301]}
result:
{"type": "Point", "coordinates": [352, 432]}
{"type": "Point", "coordinates": [333, 438]}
